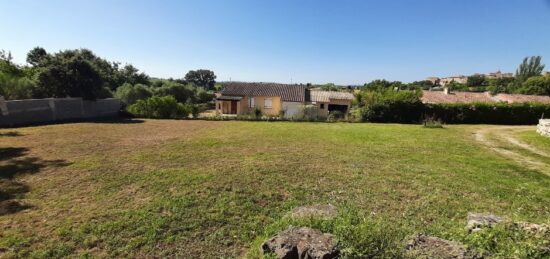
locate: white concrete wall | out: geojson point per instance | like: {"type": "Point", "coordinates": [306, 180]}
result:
{"type": "Point", "coordinates": [543, 127]}
{"type": "Point", "coordinates": [292, 109]}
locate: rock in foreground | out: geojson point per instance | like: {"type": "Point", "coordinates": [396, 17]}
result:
{"type": "Point", "coordinates": [477, 221]}
{"type": "Point", "coordinates": [301, 243]}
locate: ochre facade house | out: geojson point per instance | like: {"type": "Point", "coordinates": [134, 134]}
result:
{"type": "Point", "coordinates": [276, 99]}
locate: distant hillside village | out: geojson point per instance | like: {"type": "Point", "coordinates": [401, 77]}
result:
{"type": "Point", "coordinates": [464, 79]}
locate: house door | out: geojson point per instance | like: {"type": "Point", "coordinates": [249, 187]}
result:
{"type": "Point", "coordinates": [233, 107]}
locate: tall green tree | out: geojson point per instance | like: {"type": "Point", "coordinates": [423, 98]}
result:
{"type": "Point", "coordinates": [539, 85]}
{"type": "Point", "coordinates": [202, 77]}
{"type": "Point", "coordinates": [70, 73]}
{"type": "Point", "coordinates": [383, 85]}
{"type": "Point", "coordinates": [476, 80]}
{"type": "Point", "coordinates": [531, 66]}
{"type": "Point", "coordinates": [37, 56]}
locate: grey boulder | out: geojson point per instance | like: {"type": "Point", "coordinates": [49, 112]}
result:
{"type": "Point", "coordinates": [302, 243]}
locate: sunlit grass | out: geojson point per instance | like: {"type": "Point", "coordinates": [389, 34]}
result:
{"type": "Point", "coordinates": [212, 189]}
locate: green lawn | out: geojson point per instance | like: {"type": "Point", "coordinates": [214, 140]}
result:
{"type": "Point", "coordinates": [217, 189]}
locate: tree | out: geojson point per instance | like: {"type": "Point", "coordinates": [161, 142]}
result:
{"type": "Point", "coordinates": [37, 56]}
{"type": "Point", "coordinates": [130, 94]}
{"type": "Point", "coordinates": [15, 88]}
{"type": "Point", "coordinates": [69, 73]}
{"type": "Point", "coordinates": [182, 93]}
{"type": "Point", "coordinates": [500, 85]}
{"type": "Point", "coordinates": [456, 86]}
{"type": "Point", "coordinates": [383, 85]}
{"type": "Point", "coordinates": [476, 81]}
{"type": "Point", "coordinates": [329, 87]}
{"type": "Point", "coordinates": [529, 67]}
{"type": "Point", "coordinates": [7, 66]}
{"type": "Point", "coordinates": [424, 85]}
{"type": "Point", "coordinates": [539, 85]}
{"type": "Point", "coordinates": [130, 74]}
{"type": "Point", "coordinates": [202, 77]}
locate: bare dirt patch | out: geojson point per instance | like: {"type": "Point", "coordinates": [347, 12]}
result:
{"type": "Point", "coordinates": [500, 138]}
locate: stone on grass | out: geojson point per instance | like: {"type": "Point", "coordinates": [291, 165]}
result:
{"type": "Point", "coordinates": [532, 227]}
{"type": "Point", "coordinates": [320, 211]}
{"type": "Point", "coordinates": [423, 246]}
{"type": "Point", "coordinates": [477, 221]}
{"type": "Point", "coordinates": [301, 243]}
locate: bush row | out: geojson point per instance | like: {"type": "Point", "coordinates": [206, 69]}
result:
{"type": "Point", "coordinates": [488, 113]}
{"type": "Point", "coordinates": [165, 107]}
{"type": "Point", "coordinates": [456, 113]}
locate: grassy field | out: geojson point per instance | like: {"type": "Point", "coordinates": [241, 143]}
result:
{"type": "Point", "coordinates": [217, 189]}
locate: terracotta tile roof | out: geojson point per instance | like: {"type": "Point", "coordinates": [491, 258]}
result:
{"type": "Point", "coordinates": [522, 98]}
{"type": "Point", "coordinates": [455, 97]}
{"type": "Point", "coordinates": [326, 96]}
{"type": "Point", "coordinates": [470, 97]}
{"type": "Point", "coordinates": [288, 93]}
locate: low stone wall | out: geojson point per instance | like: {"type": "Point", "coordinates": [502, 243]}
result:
{"type": "Point", "coordinates": [543, 127]}
{"type": "Point", "coordinates": [34, 111]}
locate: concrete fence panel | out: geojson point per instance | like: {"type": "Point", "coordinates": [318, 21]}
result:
{"type": "Point", "coordinates": [68, 108]}
{"type": "Point", "coordinates": [34, 111]}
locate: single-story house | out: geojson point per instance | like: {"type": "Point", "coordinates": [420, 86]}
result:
{"type": "Point", "coordinates": [272, 99]}
{"type": "Point", "coordinates": [447, 96]}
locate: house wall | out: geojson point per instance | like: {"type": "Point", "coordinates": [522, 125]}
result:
{"type": "Point", "coordinates": [259, 101]}
{"type": "Point", "coordinates": [292, 109]}
{"type": "Point", "coordinates": [324, 112]}
{"type": "Point", "coordinates": [224, 107]}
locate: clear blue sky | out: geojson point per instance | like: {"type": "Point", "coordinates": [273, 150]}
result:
{"type": "Point", "coordinates": [345, 42]}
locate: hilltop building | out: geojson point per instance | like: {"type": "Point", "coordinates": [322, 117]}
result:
{"type": "Point", "coordinates": [463, 79]}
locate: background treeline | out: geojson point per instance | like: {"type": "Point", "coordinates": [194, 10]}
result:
{"type": "Point", "coordinates": [528, 79]}
{"type": "Point", "coordinates": [81, 73]}
{"type": "Point", "coordinates": [385, 101]}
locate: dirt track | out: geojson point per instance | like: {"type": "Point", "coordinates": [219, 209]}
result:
{"type": "Point", "coordinates": [501, 140]}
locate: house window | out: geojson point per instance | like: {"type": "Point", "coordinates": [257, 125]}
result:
{"type": "Point", "coordinates": [322, 106]}
{"type": "Point", "coordinates": [219, 106]}
{"type": "Point", "coordinates": [251, 102]}
{"type": "Point", "coordinates": [268, 103]}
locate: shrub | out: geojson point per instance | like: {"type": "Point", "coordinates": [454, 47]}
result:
{"type": "Point", "coordinates": [308, 113]}
{"type": "Point", "coordinates": [390, 106]}
{"type": "Point", "coordinates": [130, 94]}
{"type": "Point", "coordinates": [257, 113]}
{"type": "Point", "coordinates": [16, 88]}
{"type": "Point", "coordinates": [159, 107]}
{"type": "Point", "coordinates": [432, 123]}
{"type": "Point", "coordinates": [204, 96]}
{"type": "Point", "coordinates": [282, 113]}
{"type": "Point", "coordinates": [181, 92]}
{"type": "Point", "coordinates": [335, 116]}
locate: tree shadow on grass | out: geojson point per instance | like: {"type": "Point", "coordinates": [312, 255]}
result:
{"type": "Point", "coordinates": [10, 134]}
{"type": "Point", "coordinates": [15, 162]}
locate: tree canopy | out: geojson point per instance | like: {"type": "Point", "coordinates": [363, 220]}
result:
{"type": "Point", "coordinates": [531, 66]}
{"type": "Point", "coordinates": [202, 77]}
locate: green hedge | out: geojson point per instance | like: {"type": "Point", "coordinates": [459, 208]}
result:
{"type": "Point", "coordinates": [487, 113]}
{"type": "Point", "coordinates": [165, 107]}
